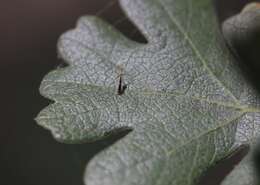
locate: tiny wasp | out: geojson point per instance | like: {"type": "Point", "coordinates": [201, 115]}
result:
{"type": "Point", "coordinates": [121, 86]}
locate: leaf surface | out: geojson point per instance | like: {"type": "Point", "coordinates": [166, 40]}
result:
{"type": "Point", "coordinates": [242, 33]}
{"type": "Point", "coordinates": [187, 102]}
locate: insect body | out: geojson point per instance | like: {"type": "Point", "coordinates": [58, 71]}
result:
{"type": "Point", "coordinates": [121, 85]}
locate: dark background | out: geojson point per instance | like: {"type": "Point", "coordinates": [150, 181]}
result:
{"type": "Point", "coordinates": [29, 30]}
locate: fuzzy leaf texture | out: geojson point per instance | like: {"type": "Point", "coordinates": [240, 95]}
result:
{"type": "Point", "coordinates": [187, 104]}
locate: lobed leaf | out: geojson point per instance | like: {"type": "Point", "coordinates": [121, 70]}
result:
{"type": "Point", "coordinates": [187, 102]}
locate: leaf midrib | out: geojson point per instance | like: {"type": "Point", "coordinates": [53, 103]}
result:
{"type": "Point", "coordinates": [162, 93]}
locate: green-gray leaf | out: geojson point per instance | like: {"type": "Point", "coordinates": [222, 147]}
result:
{"type": "Point", "coordinates": [243, 174]}
{"type": "Point", "coordinates": [187, 102]}
{"type": "Point", "coordinates": [242, 33]}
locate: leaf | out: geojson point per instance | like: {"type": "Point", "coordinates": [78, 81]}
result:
{"type": "Point", "coordinates": [242, 33]}
{"type": "Point", "coordinates": [243, 174]}
{"type": "Point", "coordinates": [187, 102]}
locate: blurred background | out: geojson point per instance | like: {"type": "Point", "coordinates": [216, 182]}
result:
{"type": "Point", "coordinates": [29, 30]}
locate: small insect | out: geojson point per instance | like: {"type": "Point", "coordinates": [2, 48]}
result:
{"type": "Point", "coordinates": [121, 85]}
